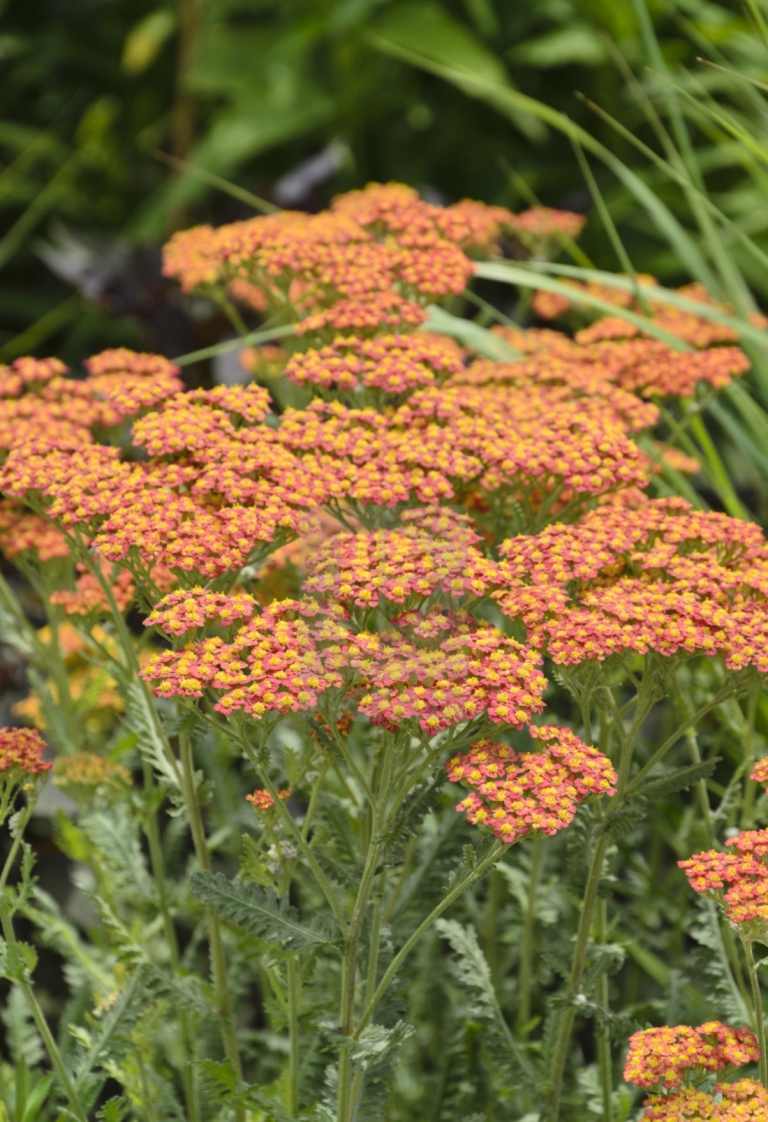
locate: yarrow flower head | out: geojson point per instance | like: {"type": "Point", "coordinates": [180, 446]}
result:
{"type": "Point", "coordinates": [642, 575]}
{"type": "Point", "coordinates": [262, 800]}
{"type": "Point", "coordinates": [662, 1057]}
{"type": "Point", "coordinates": [516, 793]}
{"type": "Point", "coordinates": [22, 753]}
{"type": "Point", "coordinates": [742, 1101]}
{"type": "Point", "coordinates": [737, 878]}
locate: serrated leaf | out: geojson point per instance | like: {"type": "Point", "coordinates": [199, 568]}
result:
{"type": "Point", "coordinates": [143, 722]}
{"type": "Point", "coordinates": [256, 910]}
{"type": "Point", "coordinates": [680, 779]}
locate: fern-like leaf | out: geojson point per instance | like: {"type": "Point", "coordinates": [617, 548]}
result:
{"type": "Point", "coordinates": [256, 910]}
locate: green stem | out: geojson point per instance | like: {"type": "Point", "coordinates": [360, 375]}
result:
{"type": "Point", "coordinates": [298, 835]}
{"type": "Point", "coordinates": [604, 1059]}
{"type": "Point", "coordinates": [345, 1102]}
{"type": "Point", "coordinates": [672, 740]}
{"type": "Point", "coordinates": [527, 939]}
{"type": "Point", "coordinates": [157, 861]}
{"type": "Point", "coordinates": [294, 1004]}
{"type": "Point", "coordinates": [758, 1010]}
{"type": "Point", "coordinates": [227, 1025]}
{"type": "Point", "coordinates": [486, 863]}
{"type": "Point", "coordinates": [575, 977]}
{"type": "Point", "coordinates": [22, 981]}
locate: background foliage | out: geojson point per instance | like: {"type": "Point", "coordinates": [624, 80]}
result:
{"type": "Point", "coordinates": [298, 100]}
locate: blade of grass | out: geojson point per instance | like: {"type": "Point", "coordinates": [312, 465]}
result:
{"type": "Point", "coordinates": [511, 102]}
{"type": "Point", "coordinates": [232, 189]}
{"type": "Point", "coordinates": [261, 336]}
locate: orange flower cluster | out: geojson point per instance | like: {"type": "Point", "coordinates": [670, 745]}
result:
{"type": "Point", "coordinates": [23, 532]}
{"type": "Point", "coordinates": [690, 326]}
{"type": "Point", "coordinates": [738, 878]}
{"type": "Point", "coordinates": [437, 671]}
{"type": "Point", "coordinates": [371, 261]}
{"type": "Point", "coordinates": [215, 489]}
{"type": "Point", "coordinates": [541, 223]}
{"type": "Point", "coordinates": [661, 1057]}
{"type": "Point", "coordinates": [189, 609]}
{"type": "Point", "coordinates": [639, 575]}
{"type": "Point", "coordinates": [22, 752]}
{"type": "Point", "coordinates": [742, 1101]}
{"type": "Point", "coordinates": [643, 366]}
{"type": "Point", "coordinates": [88, 596]}
{"type": "Point", "coordinates": [392, 364]}
{"type": "Point", "coordinates": [261, 799]}
{"type": "Point", "coordinates": [88, 770]}
{"type": "Point", "coordinates": [271, 665]}
{"type": "Point", "coordinates": [516, 793]}
{"type": "Point", "coordinates": [760, 772]}
{"type": "Point", "coordinates": [400, 566]}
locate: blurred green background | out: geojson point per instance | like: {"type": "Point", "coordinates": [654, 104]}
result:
{"type": "Point", "coordinates": [117, 114]}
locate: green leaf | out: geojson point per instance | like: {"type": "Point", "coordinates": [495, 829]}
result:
{"type": "Point", "coordinates": [143, 720]}
{"type": "Point", "coordinates": [472, 335]}
{"type": "Point", "coordinates": [110, 1038]}
{"type": "Point", "coordinates": [445, 42]}
{"type": "Point", "coordinates": [575, 43]}
{"type": "Point", "coordinates": [146, 38]}
{"type": "Point", "coordinates": [678, 780]}
{"type": "Point", "coordinates": [255, 910]}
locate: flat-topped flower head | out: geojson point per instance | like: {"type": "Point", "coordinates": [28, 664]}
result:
{"type": "Point", "coordinates": [271, 665]}
{"type": "Point", "coordinates": [193, 608]}
{"type": "Point", "coordinates": [517, 793]}
{"type": "Point", "coordinates": [642, 575]}
{"type": "Point", "coordinates": [85, 772]}
{"type": "Point", "coordinates": [22, 753]}
{"type": "Point", "coordinates": [736, 878]}
{"type": "Point", "coordinates": [742, 1101]}
{"type": "Point", "coordinates": [760, 772]}
{"type": "Point", "coordinates": [543, 223]}
{"type": "Point", "coordinates": [406, 565]}
{"type": "Point", "coordinates": [662, 1057]}
{"type": "Point", "coordinates": [88, 597]}
{"type": "Point", "coordinates": [389, 364]}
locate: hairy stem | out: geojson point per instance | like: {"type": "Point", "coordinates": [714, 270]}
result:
{"type": "Point", "coordinates": [758, 1011]}
{"type": "Point", "coordinates": [227, 1026]}
{"type": "Point", "coordinates": [527, 939]}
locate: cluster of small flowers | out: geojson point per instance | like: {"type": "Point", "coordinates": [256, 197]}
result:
{"type": "Point", "coordinates": [637, 575]}
{"type": "Point", "coordinates": [674, 318]}
{"type": "Point", "coordinates": [262, 800]}
{"type": "Point", "coordinates": [88, 595]}
{"type": "Point", "coordinates": [283, 658]}
{"type": "Point", "coordinates": [88, 770]}
{"type": "Point", "coordinates": [22, 753]}
{"type": "Point", "coordinates": [643, 366]}
{"type": "Point", "coordinates": [737, 878]}
{"type": "Point", "coordinates": [665, 1057]}
{"type": "Point", "coordinates": [370, 261]}
{"type": "Point", "coordinates": [662, 1056]}
{"type": "Point", "coordinates": [516, 793]}
{"type": "Point", "coordinates": [400, 565]}
{"type": "Point", "coordinates": [742, 1101]}
{"type": "Point", "coordinates": [393, 364]}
